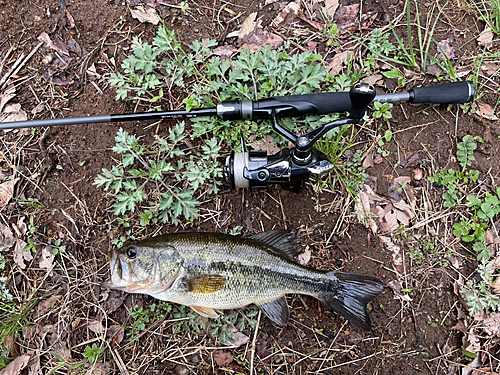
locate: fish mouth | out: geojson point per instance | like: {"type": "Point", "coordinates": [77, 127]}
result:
{"type": "Point", "coordinates": [120, 273]}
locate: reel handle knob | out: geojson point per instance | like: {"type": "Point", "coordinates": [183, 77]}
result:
{"type": "Point", "coordinates": [361, 95]}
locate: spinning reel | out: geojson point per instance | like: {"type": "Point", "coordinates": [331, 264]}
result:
{"type": "Point", "coordinates": [290, 167]}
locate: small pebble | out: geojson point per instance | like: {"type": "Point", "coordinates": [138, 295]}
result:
{"type": "Point", "coordinates": [181, 370]}
{"type": "Point", "coordinates": [418, 174]}
{"type": "Point", "coordinates": [47, 59]}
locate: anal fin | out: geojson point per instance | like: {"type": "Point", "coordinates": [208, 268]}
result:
{"type": "Point", "coordinates": [276, 310]}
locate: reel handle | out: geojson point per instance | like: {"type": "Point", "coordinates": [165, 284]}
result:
{"type": "Point", "coordinates": [445, 93]}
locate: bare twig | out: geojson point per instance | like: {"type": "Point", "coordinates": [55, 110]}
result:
{"type": "Point", "coordinates": [252, 349]}
{"type": "Point", "coordinates": [18, 65]}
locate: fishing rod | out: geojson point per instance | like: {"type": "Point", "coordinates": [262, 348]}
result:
{"type": "Point", "coordinates": [289, 167]}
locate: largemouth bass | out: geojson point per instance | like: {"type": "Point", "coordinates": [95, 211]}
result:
{"type": "Point", "coordinates": [210, 272]}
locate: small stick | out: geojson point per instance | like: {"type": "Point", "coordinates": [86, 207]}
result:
{"type": "Point", "coordinates": [15, 69]}
{"type": "Point", "coordinates": [5, 59]}
{"type": "Point", "coordinates": [118, 360]}
{"type": "Point", "coordinates": [252, 349]}
{"type": "Point", "coordinates": [9, 73]}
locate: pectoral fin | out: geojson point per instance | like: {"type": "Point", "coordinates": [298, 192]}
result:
{"type": "Point", "coordinates": [206, 312]}
{"type": "Point", "coordinates": [205, 284]}
{"type": "Point", "coordinates": [276, 310]}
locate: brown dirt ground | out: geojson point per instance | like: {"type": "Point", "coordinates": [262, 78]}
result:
{"type": "Point", "coordinates": [63, 163]}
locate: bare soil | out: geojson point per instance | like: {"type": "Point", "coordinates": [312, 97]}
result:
{"type": "Point", "coordinates": [60, 164]}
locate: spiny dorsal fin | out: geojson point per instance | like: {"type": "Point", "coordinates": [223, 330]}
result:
{"type": "Point", "coordinates": [279, 242]}
{"type": "Point", "coordinates": [205, 284]}
{"type": "Point", "coordinates": [276, 310]}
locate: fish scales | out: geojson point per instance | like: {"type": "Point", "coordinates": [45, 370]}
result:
{"type": "Point", "coordinates": [253, 273]}
{"type": "Point", "coordinates": [210, 271]}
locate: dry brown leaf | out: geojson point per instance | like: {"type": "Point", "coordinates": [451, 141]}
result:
{"type": "Point", "coordinates": [496, 285]}
{"type": "Point", "coordinates": [224, 52]}
{"type": "Point", "coordinates": [35, 368]}
{"type": "Point", "coordinates": [391, 217]}
{"type": "Point", "coordinates": [398, 184]}
{"type": "Point", "coordinates": [114, 301]}
{"type": "Point", "coordinates": [291, 8]}
{"type": "Point", "coordinates": [57, 45]}
{"type": "Point", "coordinates": [47, 259]}
{"type": "Point", "coordinates": [491, 324]}
{"type": "Point", "coordinates": [96, 327]}
{"type": "Point", "coordinates": [412, 160]}
{"type": "Point", "coordinates": [347, 19]}
{"type": "Point", "coordinates": [315, 24]}
{"type": "Point", "coordinates": [491, 237]}
{"type": "Point", "coordinates": [486, 37]}
{"type": "Point", "coordinates": [21, 226]}
{"type": "Point", "coordinates": [490, 68]}
{"type": "Point", "coordinates": [92, 73]}
{"type": "Point", "coordinates": [304, 257]}
{"type": "Point", "coordinates": [331, 7]}
{"type": "Point", "coordinates": [223, 358]}
{"type": "Point", "coordinates": [7, 239]}
{"type": "Point", "coordinates": [395, 250]}
{"type": "Point", "coordinates": [363, 209]}
{"type": "Point", "coordinates": [404, 207]}
{"type": "Point", "coordinates": [335, 66]}
{"type": "Point", "coordinates": [115, 334]}
{"type": "Point", "coordinates": [145, 15]}
{"type": "Point", "coordinates": [13, 113]}
{"type": "Point", "coordinates": [239, 339]}
{"type": "Point", "coordinates": [11, 345]}
{"type": "Point", "coordinates": [410, 74]}
{"type": "Point", "coordinates": [20, 256]}
{"type": "Point", "coordinates": [7, 191]}
{"type": "Point", "coordinates": [38, 109]}
{"type": "Point", "coordinates": [8, 94]}
{"type": "Point", "coordinates": [260, 38]}
{"type": "Point", "coordinates": [249, 25]}
{"type": "Point", "coordinates": [71, 20]}
{"type": "Point", "coordinates": [402, 217]}
{"type": "Point", "coordinates": [447, 47]}
{"type": "Point", "coordinates": [44, 37]}
{"type": "Point", "coordinates": [45, 306]}
{"type": "Point", "coordinates": [374, 79]}
{"type": "Point", "coordinates": [368, 161]}
{"type": "Point", "coordinates": [16, 366]}
{"type": "Point", "coordinates": [397, 286]}
{"type": "Point", "coordinates": [485, 110]}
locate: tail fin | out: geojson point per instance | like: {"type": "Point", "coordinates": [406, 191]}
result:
{"type": "Point", "coordinates": [351, 294]}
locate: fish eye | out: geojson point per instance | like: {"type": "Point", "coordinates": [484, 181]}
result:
{"type": "Point", "coordinates": [132, 252]}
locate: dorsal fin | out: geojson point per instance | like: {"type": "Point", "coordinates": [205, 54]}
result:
{"type": "Point", "coordinates": [279, 242]}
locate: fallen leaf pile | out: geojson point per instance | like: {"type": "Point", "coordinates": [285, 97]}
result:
{"type": "Point", "coordinates": [10, 112]}
{"type": "Point", "coordinates": [384, 215]}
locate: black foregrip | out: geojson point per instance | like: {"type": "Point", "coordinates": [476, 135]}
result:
{"type": "Point", "coordinates": [325, 102]}
{"type": "Point", "coordinates": [445, 93]}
